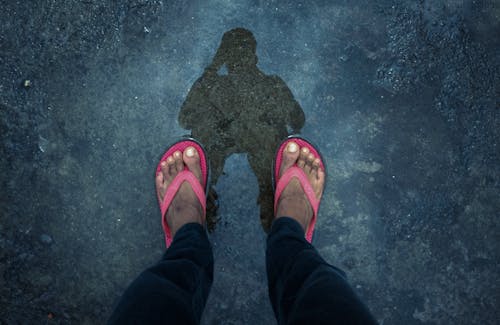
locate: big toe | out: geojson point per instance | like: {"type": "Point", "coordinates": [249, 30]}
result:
{"type": "Point", "coordinates": [290, 156]}
{"type": "Point", "coordinates": [192, 160]}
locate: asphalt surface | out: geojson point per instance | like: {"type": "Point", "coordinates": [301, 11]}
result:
{"type": "Point", "coordinates": [400, 97]}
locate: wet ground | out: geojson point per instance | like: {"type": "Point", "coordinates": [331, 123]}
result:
{"type": "Point", "coordinates": [400, 97]}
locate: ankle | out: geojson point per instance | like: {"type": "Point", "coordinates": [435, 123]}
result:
{"type": "Point", "coordinates": [179, 216]}
{"type": "Point", "coordinates": [295, 208]}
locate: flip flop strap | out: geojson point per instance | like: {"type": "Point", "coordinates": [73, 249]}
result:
{"type": "Point", "coordinates": [290, 173]}
{"type": "Point", "coordinates": [174, 187]}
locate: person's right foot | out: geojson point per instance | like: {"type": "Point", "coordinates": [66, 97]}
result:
{"type": "Point", "coordinates": [185, 207]}
{"type": "Point", "coordinates": [293, 202]}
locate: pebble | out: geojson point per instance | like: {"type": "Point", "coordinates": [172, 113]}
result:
{"type": "Point", "coordinates": [45, 239]}
{"type": "Point", "coordinates": [343, 58]}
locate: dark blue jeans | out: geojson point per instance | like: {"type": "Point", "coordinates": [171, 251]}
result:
{"type": "Point", "coordinates": [303, 287]}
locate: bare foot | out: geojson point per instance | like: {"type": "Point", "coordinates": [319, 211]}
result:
{"type": "Point", "coordinates": [293, 201]}
{"type": "Point", "coordinates": [185, 207]}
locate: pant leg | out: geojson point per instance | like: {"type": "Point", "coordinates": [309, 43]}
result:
{"type": "Point", "coordinates": [303, 287]}
{"type": "Point", "coordinates": [175, 290]}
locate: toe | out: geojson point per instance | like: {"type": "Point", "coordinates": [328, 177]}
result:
{"type": "Point", "coordinates": [164, 169]}
{"type": "Point", "coordinates": [171, 168]}
{"type": "Point", "coordinates": [304, 152]}
{"type": "Point", "coordinates": [159, 180]}
{"type": "Point", "coordinates": [309, 163]}
{"type": "Point", "coordinates": [179, 164]}
{"type": "Point", "coordinates": [192, 160]}
{"type": "Point", "coordinates": [290, 156]}
{"type": "Point", "coordinates": [315, 168]}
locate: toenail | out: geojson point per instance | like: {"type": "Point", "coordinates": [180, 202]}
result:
{"type": "Point", "coordinates": [317, 161]}
{"type": "Point", "coordinates": [292, 147]}
{"type": "Point", "coordinates": [177, 154]}
{"type": "Point", "coordinates": [305, 150]}
{"type": "Point", "coordinates": [190, 152]}
{"type": "Point", "coordinates": [170, 160]}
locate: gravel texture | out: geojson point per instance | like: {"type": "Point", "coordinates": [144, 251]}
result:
{"type": "Point", "coordinates": [400, 97]}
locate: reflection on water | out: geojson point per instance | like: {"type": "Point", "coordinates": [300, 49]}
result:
{"type": "Point", "coordinates": [242, 111]}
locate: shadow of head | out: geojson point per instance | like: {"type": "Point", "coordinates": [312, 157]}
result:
{"type": "Point", "coordinates": [239, 49]}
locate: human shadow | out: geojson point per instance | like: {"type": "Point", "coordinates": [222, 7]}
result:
{"type": "Point", "coordinates": [241, 111]}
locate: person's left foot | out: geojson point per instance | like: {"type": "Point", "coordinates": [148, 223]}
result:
{"type": "Point", "coordinates": [185, 207]}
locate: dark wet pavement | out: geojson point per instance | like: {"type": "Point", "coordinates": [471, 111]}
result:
{"type": "Point", "coordinates": [401, 98]}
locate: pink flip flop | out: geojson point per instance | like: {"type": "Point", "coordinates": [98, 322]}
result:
{"type": "Point", "coordinates": [294, 171]}
{"type": "Point", "coordinates": [185, 175]}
